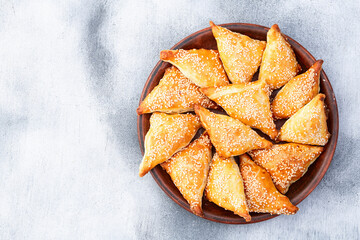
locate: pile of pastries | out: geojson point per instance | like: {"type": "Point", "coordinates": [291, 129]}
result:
{"type": "Point", "coordinates": [202, 79]}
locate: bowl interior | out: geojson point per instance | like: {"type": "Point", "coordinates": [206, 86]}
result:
{"type": "Point", "coordinates": [300, 189]}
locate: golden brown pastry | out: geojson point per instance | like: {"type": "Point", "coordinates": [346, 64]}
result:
{"type": "Point", "coordinates": [297, 92]}
{"type": "Point", "coordinates": [308, 125]}
{"type": "Point", "coordinates": [167, 135]}
{"type": "Point", "coordinates": [175, 93]}
{"type": "Point", "coordinates": [261, 193]}
{"type": "Point", "coordinates": [189, 169]}
{"type": "Point", "coordinates": [240, 54]}
{"type": "Point", "coordinates": [286, 163]}
{"type": "Point", "coordinates": [225, 186]}
{"type": "Point", "coordinates": [279, 63]}
{"type": "Point", "coordinates": [203, 67]}
{"type": "Point", "coordinates": [248, 102]}
{"type": "Point", "coordinates": [229, 136]}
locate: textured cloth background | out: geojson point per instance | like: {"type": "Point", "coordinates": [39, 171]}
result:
{"type": "Point", "coordinates": [71, 74]}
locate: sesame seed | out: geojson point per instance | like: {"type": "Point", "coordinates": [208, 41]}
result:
{"type": "Point", "coordinates": [248, 103]}
{"type": "Point", "coordinates": [167, 135]}
{"type": "Point", "coordinates": [240, 54]}
{"type": "Point", "coordinates": [308, 125]}
{"type": "Point", "coordinates": [230, 136]}
{"type": "Point", "coordinates": [175, 93]}
{"type": "Point", "coordinates": [286, 163]}
{"type": "Point", "coordinates": [279, 63]}
{"type": "Point", "coordinates": [261, 194]}
{"type": "Point", "coordinates": [201, 66]}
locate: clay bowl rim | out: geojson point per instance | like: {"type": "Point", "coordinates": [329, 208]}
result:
{"type": "Point", "coordinates": [258, 217]}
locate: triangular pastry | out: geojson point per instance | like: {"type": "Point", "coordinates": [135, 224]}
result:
{"type": "Point", "coordinates": [248, 102]}
{"type": "Point", "coordinates": [167, 135]}
{"type": "Point", "coordinates": [297, 92]}
{"type": "Point", "coordinates": [175, 93]}
{"type": "Point", "coordinates": [229, 136]}
{"type": "Point", "coordinates": [261, 193]}
{"type": "Point", "coordinates": [240, 54]}
{"type": "Point", "coordinates": [203, 67]}
{"type": "Point", "coordinates": [225, 186]}
{"type": "Point", "coordinates": [189, 169]}
{"type": "Point", "coordinates": [286, 163]}
{"type": "Point", "coordinates": [308, 125]}
{"type": "Point", "coordinates": [279, 63]}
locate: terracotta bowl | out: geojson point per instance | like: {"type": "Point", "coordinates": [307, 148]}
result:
{"type": "Point", "coordinates": [299, 190]}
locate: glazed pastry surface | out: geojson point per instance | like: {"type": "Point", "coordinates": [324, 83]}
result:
{"type": "Point", "coordinates": [229, 136]}
{"type": "Point", "coordinates": [278, 63]}
{"type": "Point", "coordinates": [247, 102]}
{"type": "Point", "coordinates": [308, 125]}
{"type": "Point", "coordinates": [203, 67]}
{"type": "Point", "coordinates": [189, 169]}
{"type": "Point", "coordinates": [297, 92]}
{"type": "Point", "coordinates": [167, 135]}
{"type": "Point", "coordinates": [175, 93]}
{"type": "Point", "coordinates": [261, 193]}
{"type": "Point", "coordinates": [286, 163]}
{"type": "Point", "coordinates": [240, 54]}
{"type": "Point", "coordinates": [225, 186]}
